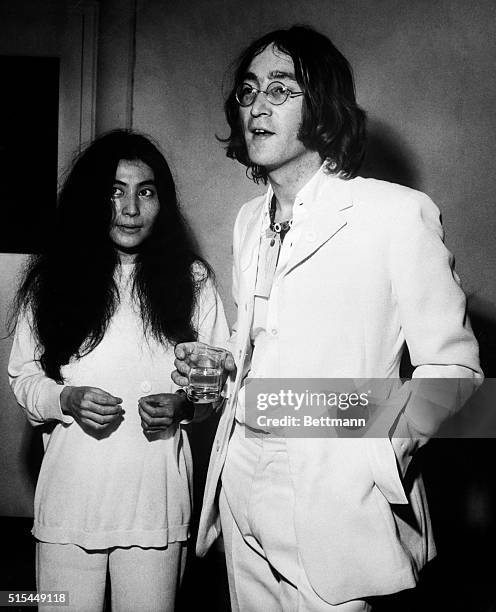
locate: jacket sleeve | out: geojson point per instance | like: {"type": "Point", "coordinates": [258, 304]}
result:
{"type": "Point", "coordinates": [433, 314]}
{"type": "Point", "coordinates": [38, 395]}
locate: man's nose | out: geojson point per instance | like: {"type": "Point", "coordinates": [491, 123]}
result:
{"type": "Point", "coordinates": [131, 205]}
{"type": "Point", "coordinates": [260, 106]}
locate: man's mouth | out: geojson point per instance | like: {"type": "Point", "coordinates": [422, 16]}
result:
{"type": "Point", "coordinates": [260, 132]}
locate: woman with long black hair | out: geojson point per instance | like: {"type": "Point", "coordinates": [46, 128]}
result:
{"type": "Point", "coordinates": [98, 315]}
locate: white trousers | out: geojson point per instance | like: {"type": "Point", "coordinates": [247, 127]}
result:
{"type": "Point", "coordinates": [257, 515]}
{"type": "Point", "coordinates": [144, 579]}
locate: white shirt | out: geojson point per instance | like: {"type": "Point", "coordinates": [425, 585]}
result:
{"type": "Point", "coordinates": [125, 489]}
{"type": "Point", "coordinates": [264, 331]}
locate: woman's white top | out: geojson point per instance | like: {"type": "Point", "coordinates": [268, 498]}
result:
{"type": "Point", "coordinates": [121, 487]}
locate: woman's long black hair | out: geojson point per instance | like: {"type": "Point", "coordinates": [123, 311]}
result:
{"type": "Point", "coordinates": [70, 288]}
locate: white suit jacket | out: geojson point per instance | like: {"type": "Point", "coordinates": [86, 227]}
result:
{"type": "Point", "coordinates": [368, 272]}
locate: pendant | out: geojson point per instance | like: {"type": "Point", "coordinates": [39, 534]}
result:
{"type": "Point", "coordinates": [270, 234]}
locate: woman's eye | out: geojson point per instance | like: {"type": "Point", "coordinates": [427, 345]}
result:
{"type": "Point", "coordinates": [117, 192]}
{"type": "Point", "coordinates": [147, 193]}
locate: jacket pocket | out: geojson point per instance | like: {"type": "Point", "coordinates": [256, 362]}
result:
{"type": "Point", "coordinates": [385, 470]}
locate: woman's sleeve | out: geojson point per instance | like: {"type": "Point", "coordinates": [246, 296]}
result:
{"type": "Point", "coordinates": [212, 323]}
{"type": "Point", "coordinates": [38, 395]}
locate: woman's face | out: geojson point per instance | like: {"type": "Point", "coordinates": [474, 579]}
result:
{"type": "Point", "coordinates": [136, 205]}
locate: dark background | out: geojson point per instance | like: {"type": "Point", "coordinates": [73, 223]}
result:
{"type": "Point", "coordinates": [29, 107]}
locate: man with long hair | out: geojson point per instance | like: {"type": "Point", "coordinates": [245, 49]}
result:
{"type": "Point", "coordinates": [98, 315]}
{"type": "Point", "coordinates": [333, 276]}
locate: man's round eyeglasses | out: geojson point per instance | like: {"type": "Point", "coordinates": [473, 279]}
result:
{"type": "Point", "coordinates": [276, 93]}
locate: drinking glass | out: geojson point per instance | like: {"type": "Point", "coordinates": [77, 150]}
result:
{"type": "Point", "coordinates": [205, 376]}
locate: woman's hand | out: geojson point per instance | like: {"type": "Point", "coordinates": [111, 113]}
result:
{"type": "Point", "coordinates": [158, 412]}
{"type": "Point", "coordinates": [91, 407]}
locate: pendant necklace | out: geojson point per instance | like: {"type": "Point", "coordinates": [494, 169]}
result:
{"type": "Point", "coordinates": [280, 228]}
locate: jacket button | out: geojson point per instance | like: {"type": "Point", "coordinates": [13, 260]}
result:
{"type": "Point", "coordinates": [146, 386]}
{"type": "Point", "coordinates": [273, 331]}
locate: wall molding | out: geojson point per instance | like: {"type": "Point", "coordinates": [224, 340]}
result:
{"type": "Point", "coordinates": [78, 80]}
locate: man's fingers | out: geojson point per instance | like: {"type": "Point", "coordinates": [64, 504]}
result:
{"type": "Point", "coordinates": [181, 366]}
{"type": "Point", "coordinates": [183, 349]}
{"type": "Point", "coordinates": [179, 379]}
{"type": "Point", "coordinates": [180, 374]}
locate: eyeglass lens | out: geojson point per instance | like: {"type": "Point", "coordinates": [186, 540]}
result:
{"type": "Point", "coordinates": [276, 94]}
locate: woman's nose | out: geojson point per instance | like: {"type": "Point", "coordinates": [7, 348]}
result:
{"type": "Point", "coordinates": [131, 205]}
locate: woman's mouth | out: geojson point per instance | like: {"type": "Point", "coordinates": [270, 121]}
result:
{"type": "Point", "coordinates": [129, 229]}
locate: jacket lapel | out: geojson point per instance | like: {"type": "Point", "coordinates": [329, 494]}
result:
{"type": "Point", "coordinates": [249, 248]}
{"type": "Point", "coordinates": [326, 217]}
{"type": "Point", "coordinates": [248, 263]}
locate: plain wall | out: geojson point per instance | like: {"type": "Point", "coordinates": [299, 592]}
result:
{"type": "Point", "coordinates": [424, 74]}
